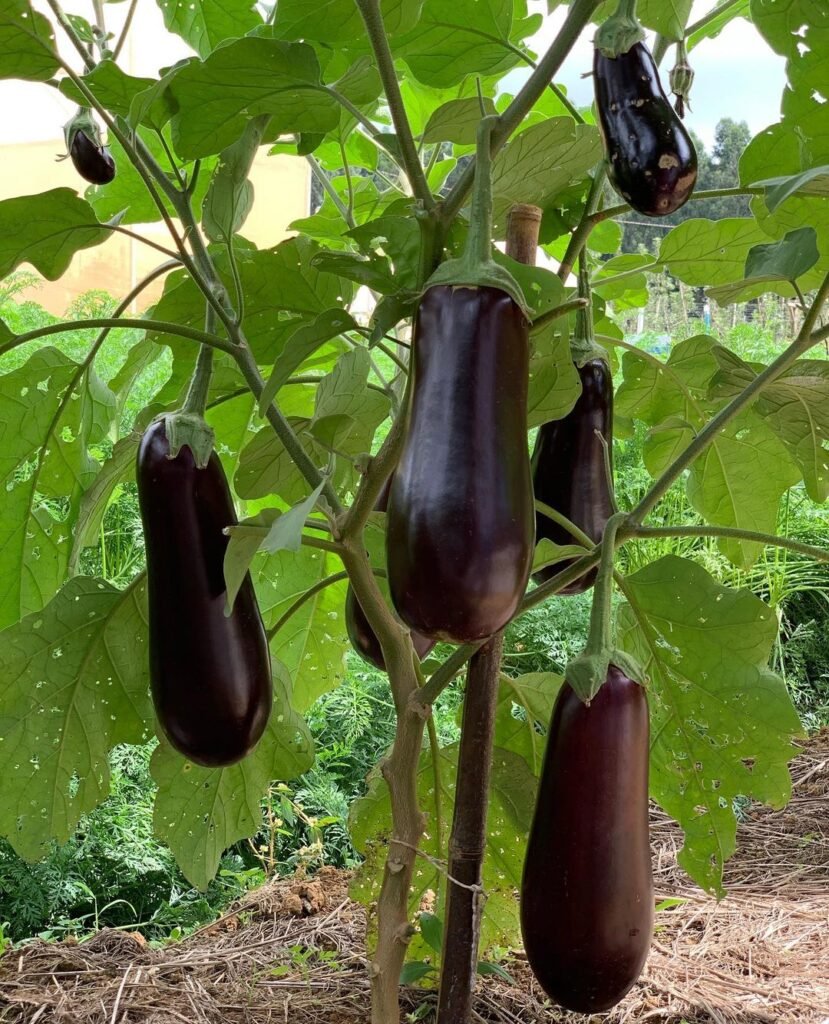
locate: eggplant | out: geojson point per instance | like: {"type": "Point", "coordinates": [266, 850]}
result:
{"type": "Point", "coordinates": [94, 163]}
{"type": "Point", "coordinates": [362, 636]}
{"type": "Point", "coordinates": [587, 888]}
{"type": "Point", "coordinates": [210, 673]}
{"type": "Point", "coordinates": [652, 162]}
{"type": "Point", "coordinates": [460, 526]}
{"type": "Point", "coordinates": [570, 469]}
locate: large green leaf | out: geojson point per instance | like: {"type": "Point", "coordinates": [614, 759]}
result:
{"type": "Point", "coordinates": [27, 43]}
{"type": "Point", "coordinates": [200, 812]}
{"type": "Point", "coordinates": [512, 796]}
{"type": "Point", "coordinates": [668, 17]}
{"type": "Point", "coordinates": [542, 161]}
{"type": "Point", "coordinates": [313, 641]}
{"type": "Point", "coordinates": [721, 722]}
{"type": "Point", "coordinates": [74, 683]}
{"type": "Point", "coordinates": [524, 704]}
{"type": "Point", "coordinates": [710, 252]}
{"type": "Point", "coordinates": [554, 384]}
{"type": "Point", "coordinates": [251, 76]}
{"type": "Point", "coordinates": [339, 21]}
{"type": "Point", "coordinates": [781, 22]}
{"type": "Point", "coordinates": [456, 121]}
{"type": "Point", "coordinates": [46, 230]}
{"type": "Point", "coordinates": [458, 38]}
{"type": "Point", "coordinates": [205, 24]}
{"type": "Point", "coordinates": [111, 86]}
{"type": "Point", "coordinates": [347, 411]}
{"type": "Point", "coordinates": [51, 410]}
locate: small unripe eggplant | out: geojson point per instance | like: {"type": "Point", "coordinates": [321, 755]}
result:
{"type": "Point", "coordinates": [570, 469]}
{"type": "Point", "coordinates": [460, 526]}
{"type": "Point", "coordinates": [587, 890]}
{"type": "Point", "coordinates": [362, 636]}
{"type": "Point", "coordinates": [652, 162]}
{"type": "Point", "coordinates": [94, 163]}
{"type": "Point", "coordinates": [210, 673]}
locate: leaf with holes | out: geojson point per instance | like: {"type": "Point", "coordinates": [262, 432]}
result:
{"type": "Point", "coordinates": [74, 684]}
{"type": "Point", "coordinates": [200, 812]}
{"type": "Point", "coordinates": [722, 721]}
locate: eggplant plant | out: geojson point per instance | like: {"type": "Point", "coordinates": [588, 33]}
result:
{"type": "Point", "coordinates": [261, 459]}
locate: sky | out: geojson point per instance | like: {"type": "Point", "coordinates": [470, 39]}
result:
{"type": "Point", "coordinates": [737, 75]}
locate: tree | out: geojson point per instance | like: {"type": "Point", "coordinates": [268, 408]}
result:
{"type": "Point", "coordinates": [298, 402]}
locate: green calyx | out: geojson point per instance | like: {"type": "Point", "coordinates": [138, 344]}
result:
{"type": "Point", "coordinates": [475, 268]}
{"type": "Point", "coordinates": [82, 122]}
{"type": "Point", "coordinates": [620, 32]}
{"type": "Point", "coordinates": [587, 673]}
{"type": "Point", "coordinates": [189, 429]}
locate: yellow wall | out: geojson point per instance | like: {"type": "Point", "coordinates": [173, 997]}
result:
{"type": "Point", "coordinates": [282, 194]}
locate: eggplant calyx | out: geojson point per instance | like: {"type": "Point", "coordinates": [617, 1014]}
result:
{"type": "Point", "coordinates": [586, 350]}
{"type": "Point", "coordinates": [190, 430]}
{"type": "Point", "coordinates": [587, 673]}
{"type": "Point", "coordinates": [620, 32]}
{"type": "Point", "coordinates": [82, 121]}
{"type": "Point", "coordinates": [475, 268]}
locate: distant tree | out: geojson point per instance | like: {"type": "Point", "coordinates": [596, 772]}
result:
{"type": "Point", "coordinates": [717, 169]}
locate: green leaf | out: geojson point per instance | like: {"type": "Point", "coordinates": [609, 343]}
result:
{"type": "Point", "coordinates": [205, 24]}
{"type": "Point", "coordinates": [512, 795]}
{"type": "Point", "coordinates": [46, 230]}
{"type": "Point", "coordinates": [486, 968]}
{"type": "Point", "coordinates": [93, 504]}
{"type": "Point", "coordinates": [302, 343]}
{"type": "Point", "coordinates": [312, 643]}
{"type": "Point", "coordinates": [710, 252]}
{"type": "Point", "coordinates": [786, 260]}
{"type": "Point", "coordinates": [74, 684]}
{"type": "Point", "coordinates": [533, 695]}
{"type": "Point", "coordinates": [740, 9]}
{"type": "Point", "coordinates": [229, 198]}
{"type": "Point", "coordinates": [27, 43]}
{"type": "Point", "coordinates": [251, 76]}
{"type": "Point", "coordinates": [653, 392]}
{"type": "Point", "coordinates": [668, 17]}
{"type": "Point", "coordinates": [457, 38]}
{"type": "Point", "coordinates": [200, 812]}
{"type": "Point", "coordinates": [554, 385]}
{"type": "Point", "coordinates": [814, 182]}
{"type": "Point", "coordinates": [630, 292]}
{"type": "Point", "coordinates": [414, 971]}
{"type": "Point", "coordinates": [739, 481]}
{"type": "Point", "coordinates": [270, 530]}
{"type": "Point", "coordinates": [721, 721]}
{"type": "Point", "coordinates": [780, 22]}
{"type": "Point", "coordinates": [111, 86]}
{"type": "Point", "coordinates": [399, 239]}
{"type": "Point", "coordinates": [456, 121]}
{"type": "Point", "coordinates": [547, 553]}
{"type": "Point", "coordinates": [542, 161]}
{"type": "Point", "coordinates": [339, 21]}
{"type": "Point", "coordinates": [51, 410]}
{"type": "Point", "coordinates": [347, 411]}
{"type": "Point", "coordinates": [374, 271]}
{"type": "Point", "coordinates": [431, 928]}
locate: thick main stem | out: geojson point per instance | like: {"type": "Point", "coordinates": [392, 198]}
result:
{"type": "Point", "coordinates": [464, 902]}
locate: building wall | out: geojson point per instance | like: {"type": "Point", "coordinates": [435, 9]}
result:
{"type": "Point", "coordinates": [31, 139]}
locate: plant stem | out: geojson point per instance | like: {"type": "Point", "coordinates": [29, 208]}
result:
{"type": "Point", "coordinates": [125, 30]}
{"type": "Point", "coordinates": [468, 840]}
{"type": "Point", "coordinates": [196, 400]}
{"type": "Point", "coordinates": [160, 326]}
{"type": "Point", "coordinates": [329, 189]}
{"type": "Point", "coordinates": [712, 193]}
{"type": "Point", "coordinates": [376, 32]}
{"type": "Point", "coordinates": [577, 18]}
{"type": "Point", "coordinates": [579, 237]}
{"type": "Point", "coordinates": [575, 532]}
{"type": "Point", "coordinates": [66, 25]}
{"type": "Point", "coordinates": [565, 309]}
{"type": "Point", "coordinates": [801, 344]}
{"type": "Point", "coordinates": [810, 550]}
{"type": "Point", "coordinates": [708, 18]}
{"type": "Point", "coordinates": [600, 638]}
{"type": "Point", "coordinates": [320, 585]}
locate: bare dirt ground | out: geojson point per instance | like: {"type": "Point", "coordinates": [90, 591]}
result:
{"type": "Point", "coordinates": [294, 951]}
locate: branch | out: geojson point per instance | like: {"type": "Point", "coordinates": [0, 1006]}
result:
{"type": "Point", "coordinates": [768, 539]}
{"type": "Point", "coordinates": [713, 193]}
{"type": "Point", "coordinates": [119, 323]}
{"type": "Point", "coordinates": [579, 237]}
{"type": "Point", "coordinates": [125, 30]}
{"type": "Point", "coordinates": [708, 18]}
{"type": "Point", "coordinates": [801, 344]}
{"type": "Point", "coordinates": [376, 32]}
{"type": "Point", "coordinates": [72, 35]}
{"type": "Point", "coordinates": [578, 17]}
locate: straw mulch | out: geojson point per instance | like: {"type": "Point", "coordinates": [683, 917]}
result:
{"type": "Point", "coordinates": [760, 956]}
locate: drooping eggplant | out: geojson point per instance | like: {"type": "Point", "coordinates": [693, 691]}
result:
{"type": "Point", "coordinates": [460, 526]}
{"type": "Point", "coordinates": [362, 636]}
{"type": "Point", "coordinates": [652, 162]}
{"type": "Point", "coordinates": [460, 523]}
{"type": "Point", "coordinates": [587, 888]}
{"type": "Point", "coordinates": [210, 672]}
{"type": "Point", "coordinates": [94, 163]}
{"type": "Point", "coordinates": [570, 469]}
